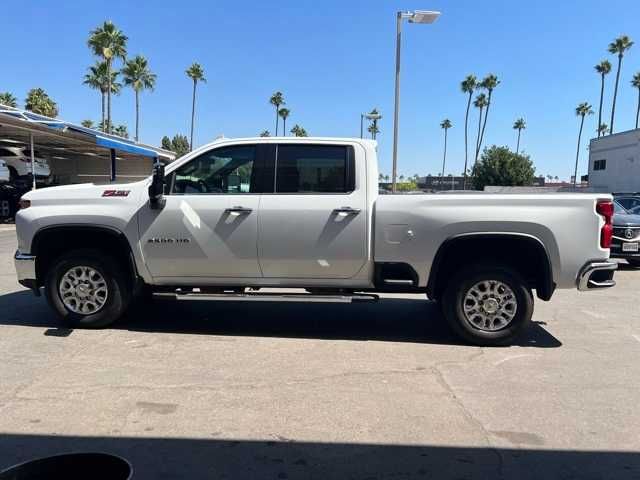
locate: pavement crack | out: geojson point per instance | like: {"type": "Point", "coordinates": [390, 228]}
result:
{"type": "Point", "coordinates": [442, 381]}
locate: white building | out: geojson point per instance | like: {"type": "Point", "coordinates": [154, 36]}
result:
{"type": "Point", "coordinates": [614, 162]}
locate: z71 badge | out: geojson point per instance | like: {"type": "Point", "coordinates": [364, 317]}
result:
{"type": "Point", "coordinates": [116, 193]}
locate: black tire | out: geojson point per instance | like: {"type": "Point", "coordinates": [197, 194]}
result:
{"type": "Point", "coordinates": [457, 289]}
{"type": "Point", "coordinates": [118, 289]}
{"type": "Point", "coordinates": [634, 262]}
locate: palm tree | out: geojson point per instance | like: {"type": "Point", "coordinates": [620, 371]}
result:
{"type": "Point", "coordinates": [603, 129]}
{"type": "Point", "coordinates": [489, 83]}
{"type": "Point", "coordinates": [380, 177]}
{"type": "Point", "coordinates": [480, 102]}
{"type": "Point", "coordinates": [108, 43]}
{"type": "Point", "coordinates": [636, 83]}
{"type": "Point", "coordinates": [284, 113]}
{"type": "Point", "coordinates": [468, 86]}
{"type": "Point", "coordinates": [87, 123]}
{"type": "Point", "coordinates": [137, 75]}
{"type": "Point", "coordinates": [519, 125]}
{"type": "Point", "coordinates": [8, 100]}
{"type": "Point", "coordinates": [103, 127]}
{"type": "Point", "coordinates": [618, 46]}
{"type": "Point", "coordinates": [38, 101]}
{"type": "Point", "coordinates": [603, 68]}
{"type": "Point", "coordinates": [94, 80]}
{"type": "Point", "coordinates": [445, 125]}
{"type": "Point", "coordinates": [196, 73]}
{"type": "Point", "coordinates": [121, 131]}
{"type": "Point", "coordinates": [265, 133]}
{"type": "Point", "coordinates": [276, 100]}
{"type": "Point", "coordinates": [386, 178]}
{"type": "Point", "coordinates": [373, 128]}
{"type": "Point", "coordinates": [582, 110]}
{"type": "Point", "coordinates": [97, 79]}
{"type": "Point", "coordinates": [298, 131]}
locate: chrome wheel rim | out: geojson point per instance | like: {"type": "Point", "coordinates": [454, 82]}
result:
{"type": "Point", "coordinates": [83, 290]}
{"type": "Point", "coordinates": [489, 305]}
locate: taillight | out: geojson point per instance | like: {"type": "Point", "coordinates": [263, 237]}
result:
{"type": "Point", "coordinates": [22, 204]}
{"type": "Point", "coordinates": [605, 208]}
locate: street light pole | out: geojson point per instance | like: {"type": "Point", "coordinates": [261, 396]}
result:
{"type": "Point", "coordinates": [418, 16]}
{"type": "Point", "coordinates": [373, 115]}
{"type": "Point", "coordinates": [396, 107]}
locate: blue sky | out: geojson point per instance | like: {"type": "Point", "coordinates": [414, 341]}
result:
{"type": "Point", "coordinates": [334, 59]}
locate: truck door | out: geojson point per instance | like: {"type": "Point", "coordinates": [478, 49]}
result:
{"type": "Point", "coordinates": [208, 226]}
{"type": "Point", "coordinates": [314, 225]}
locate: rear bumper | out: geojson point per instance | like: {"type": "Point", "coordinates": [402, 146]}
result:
{"type": "Point", "coordinates": [595, 275]}
{"type": "Point", "coordinates": [26, 270]}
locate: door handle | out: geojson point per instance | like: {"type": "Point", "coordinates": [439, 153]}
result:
{"type": "Point", "coordinates": [347, 210]}
{"type": "Point", "coordinates": [239, 210]}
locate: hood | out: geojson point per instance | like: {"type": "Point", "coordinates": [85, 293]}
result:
{"type": "Point", "coordinates": [85, 192]}
{"type": "Point", "coordinates": [626, 220]}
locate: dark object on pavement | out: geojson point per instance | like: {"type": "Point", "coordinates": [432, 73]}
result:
{"type": "Point", "coordinates": [71, 466]}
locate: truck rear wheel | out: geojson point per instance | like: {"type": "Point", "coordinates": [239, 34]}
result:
{"type": "Point", "coordinates": [87, 289]}
{"type": "Point", "coordinates": [488, 305]}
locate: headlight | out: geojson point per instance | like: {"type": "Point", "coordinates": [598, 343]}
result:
{"type": "Point", "coordinates": [22, 204]}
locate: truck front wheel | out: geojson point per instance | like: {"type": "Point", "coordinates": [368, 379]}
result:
{"type": "Point", "coordinates": [488, 305]}
{"type": "Point", "coordinates": [86, 289]}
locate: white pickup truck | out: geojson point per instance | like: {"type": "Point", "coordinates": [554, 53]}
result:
{"type": "Point", "coordinates": [236, 216]}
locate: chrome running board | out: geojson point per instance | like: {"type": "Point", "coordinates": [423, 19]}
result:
{"type": "Point", "coordinates": [266, 297]}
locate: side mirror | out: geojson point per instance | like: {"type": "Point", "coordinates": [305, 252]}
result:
{"type": "Point", "coordinates": [156, 189]}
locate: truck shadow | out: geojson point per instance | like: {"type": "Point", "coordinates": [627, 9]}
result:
{"type": "Point", "coordinates": [389, 319]}
{"type": "Point", "coordinates": [200, 458]}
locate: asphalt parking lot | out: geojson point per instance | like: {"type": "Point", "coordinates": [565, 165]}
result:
{"type": "Point", "coordinates": [371, 391]}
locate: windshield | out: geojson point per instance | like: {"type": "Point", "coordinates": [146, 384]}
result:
{"type": "Point", "coordinates": [619, 209]}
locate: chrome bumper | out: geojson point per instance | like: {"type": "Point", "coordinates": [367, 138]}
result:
{"type": "Point", "coordinates": [26, 270]}
{"type": "Point", "coordinates": [597, 275]}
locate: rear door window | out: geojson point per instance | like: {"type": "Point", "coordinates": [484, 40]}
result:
{"type": "Point", "coordinates": [314, 169]}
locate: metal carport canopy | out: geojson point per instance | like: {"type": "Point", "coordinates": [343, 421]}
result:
{"type": "Point", "coordinates": [65, 140]}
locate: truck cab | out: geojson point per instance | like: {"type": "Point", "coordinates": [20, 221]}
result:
{"type": "Point", "coordinates": [278, 212]}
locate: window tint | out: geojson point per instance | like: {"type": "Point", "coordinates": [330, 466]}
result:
{"type": "Point", "coordinates": [6, 153]}
{"type": "Point", "coordinates": [226, 170]}
{"type": "Point", "coordinates": [617, 208]}
{"type": "Point", "coordinates": [27, 153]}
{"type": "Point", "coordinates": [628, 202]}
{"type": "Point", "coordinates": [313, 169]}
{"type": "Point", "coordinates": [625, 202]}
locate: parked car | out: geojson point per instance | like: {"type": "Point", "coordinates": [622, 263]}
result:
{"type": "Point", "coordinates": [18, 160]}
{"type": "Point", "coordinates": [311, 217]}
{"type": "Point", "coordinates": [4, 172]}
{"type": "Point", "coordinates": [626, 235]}
{"type": "Point", "coordinates": [9, 197]}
